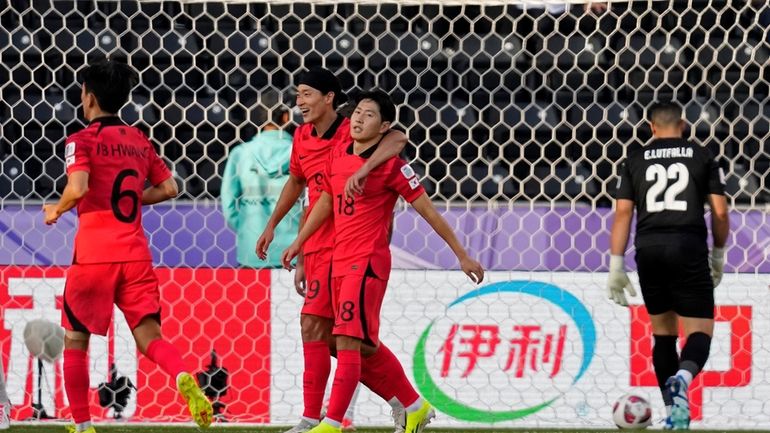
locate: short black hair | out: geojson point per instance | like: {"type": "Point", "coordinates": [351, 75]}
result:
{"type": "Point", "coordinates": [382, 99]}
{"type": "Point", "coordinates": [110, 82]}
{"type": "Point", "coordinates": [324, 81]}
{"type": "Point", "coordinates": [666, 113]}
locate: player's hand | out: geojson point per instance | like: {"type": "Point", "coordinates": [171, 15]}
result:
{"type": "Point", "coordinates": [356, 182]}
{"type": "Point", "coordinates": [264, 242]}
{"type": "Point", "coordinates": [717, 264]}
{"type": "Point", "coordinates": [618, 282]}
{"type": "Point", "coordinates": [51, 213]}
{"type": "Point", "coordinates": [288, 255]}
{"type": "Point", "coordinates": [299, 279]}
{"type": "Point", "coordinates": [472, 269]}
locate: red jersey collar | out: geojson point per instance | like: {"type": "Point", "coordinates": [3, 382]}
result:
{"type": "Point", "coordinates": [366, 154]}
{"type": "Point", "coordinates": [107, 121]}
{"type": "Point", "coordinates": [332, 129]}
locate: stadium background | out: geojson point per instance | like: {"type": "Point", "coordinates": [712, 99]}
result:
{"type": "Point", "coordinates": [517, 120]}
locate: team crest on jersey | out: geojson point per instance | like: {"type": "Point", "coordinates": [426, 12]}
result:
{"type": "Point", "coordinates": [69, 153]}
{"type": "Point", "coordinates": [407, 171]}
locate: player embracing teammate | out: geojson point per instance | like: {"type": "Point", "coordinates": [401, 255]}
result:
{"type": "Point", "coordinates": [318, 95]}
{"type": "Point", "coordinates": [361, 260]}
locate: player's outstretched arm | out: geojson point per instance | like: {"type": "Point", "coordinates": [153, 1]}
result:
{"type": "Point", "coordinates": [321, 211]}
{"type": "Point", "coordinates": [163, 191]}
{"type": "Point", "coordinates": [290, 193]}
{"type": "Point", "coordinates": [425, 208]}
{"type": "Point", "coordinates": [720, 229]}
{"type": "Point", "coordinates": [392, 144]}
{"type": "Point", "coordinates": [621, 226]}
{"type": "Point", "coordinates": [76, 189]}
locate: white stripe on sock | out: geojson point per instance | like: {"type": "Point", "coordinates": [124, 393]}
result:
{"type": "Point", "coordinates": [414, 407]}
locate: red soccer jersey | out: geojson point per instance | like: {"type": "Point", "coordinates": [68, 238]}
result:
{"type": "Point", "coordinates": [309, 155]}
{"type": "Point", "coordinates": [361, 223]}
{"type": "Point", "coordinates": [119, 159]}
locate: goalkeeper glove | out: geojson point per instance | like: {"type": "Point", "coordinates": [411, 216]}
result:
{"type": "Point", "coordinates": [717, 264]}
{"type": "Point", "coordinates": [618, 282]}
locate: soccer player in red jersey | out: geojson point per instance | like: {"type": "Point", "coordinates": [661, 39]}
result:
{"type": "Point", "coordinates": [361, 261]}
{"type": "Point", "coordinates": [108, 163]}
{"type": "Point", "coordinates": [318, 95]}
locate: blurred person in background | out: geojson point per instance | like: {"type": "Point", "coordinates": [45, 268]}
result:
{"type": "Point", "coordinates": [531, 20]}
{"type": "Point", "coordinates": [254, 176]}
{"type": "Point", "coordinates": [536, 20]}
{"type": "Point", "coordinates": [558, 8]}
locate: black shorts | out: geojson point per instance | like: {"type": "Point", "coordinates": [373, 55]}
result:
{"type": "Point", "coordinates": [676, 277]}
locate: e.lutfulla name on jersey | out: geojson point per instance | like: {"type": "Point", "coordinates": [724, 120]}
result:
{"type": "Point", "coordinates": [672, 152]}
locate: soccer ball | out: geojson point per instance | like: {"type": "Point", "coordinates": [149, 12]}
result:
{"type": "Point", "coordinates": [632, 411]}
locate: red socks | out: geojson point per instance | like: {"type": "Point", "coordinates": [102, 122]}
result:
{"type": "Point", "coordinates": [76, 383]}
{"type": "Point", "coordinates": [166, 356]}
{"type": "Point", "coordinates": [76, 378]}
{"type": "Point", "coordinates": [345, 382]}
{"type": "Point", "coordinates": [317, 367]}
{"type": "Point", "coordinates": [384, 375]}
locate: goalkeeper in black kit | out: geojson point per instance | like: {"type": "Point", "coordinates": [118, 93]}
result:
{"type": "Point", "coordinates": [668, 183]}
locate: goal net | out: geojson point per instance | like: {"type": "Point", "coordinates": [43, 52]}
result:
{"type": "Point", "coordinates": [518, 115]}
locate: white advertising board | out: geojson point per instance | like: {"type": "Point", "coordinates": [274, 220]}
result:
{"type": "Point", "coordinates": [537, 350]}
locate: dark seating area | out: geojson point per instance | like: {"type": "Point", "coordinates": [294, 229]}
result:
{"type": "Point", "coordinates": [500, 103]}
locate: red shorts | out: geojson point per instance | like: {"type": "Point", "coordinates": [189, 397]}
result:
{"type": "Point", "coordinates": [350, 317]}
{"type": "Point", "coordinates": [318, 280]}
{"type": "Point", "coordinates": [91, 289]}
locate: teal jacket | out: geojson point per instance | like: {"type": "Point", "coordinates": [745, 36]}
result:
{"type": "Point", "coordinates": [254, 176]}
